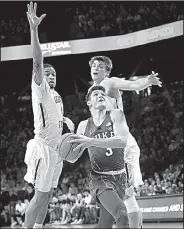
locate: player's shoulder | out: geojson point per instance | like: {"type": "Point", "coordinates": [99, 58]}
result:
{"type": "Point", "coordinates": [43, 86]}
{"type": "Point", "coordinates": [82, 126]}
{"type": "Point", "coordinates": [83, 123]}
{"type": "Point", "coordinates": [116, 114]}
{"type": "Point", "coordinates": [56, 93]}
{"type": "Point", "coordinates": [106, 81]}
{"type": "Point", "coordinates": [109, 80]}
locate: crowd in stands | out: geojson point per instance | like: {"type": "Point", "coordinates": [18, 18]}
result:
{"type": "Point", "coordinates": [14, 32]}
{"type": "Point", "coordinates": [158, 133]}
{"type": "Point", "coordinates": [109, 18]}
{"type": "Point", "coordinates": [97, 19]}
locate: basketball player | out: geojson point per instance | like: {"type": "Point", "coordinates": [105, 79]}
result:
{"type": "Point", "coordinates": [100, 70]}
{"type": "Point", "coordinates": [44, 165]}
{"type": "Point", "coordinates": [105, 136]}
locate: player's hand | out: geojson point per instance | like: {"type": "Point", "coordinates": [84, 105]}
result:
{"type": "Point", "coordinates": [154, 80]}
{"type": "Point", "coordinates": [34, 21]}
{"type": "Point", "coordinates": [83, 141]}
{"type": "Point", "coordinates": [69, 124]}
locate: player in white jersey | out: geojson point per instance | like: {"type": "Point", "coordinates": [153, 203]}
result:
{"type": "Point", "coordinates": [44, 164]}
{"type": "Point", "coordinates": [100, 70]}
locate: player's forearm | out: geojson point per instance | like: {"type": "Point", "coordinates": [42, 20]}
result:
{"type": "Point", "coordinates": [129, 85]}
{"type": "Point", "coordinates": [36, 47]}
{"type": "Point", "coordinates": [113, 142]}
{"type": "Point", "coordinates": [69, 124]}
{"type": "Point", "coordinates": [141, 84]}
{"type": "Point", "coordinates": [65, 119]}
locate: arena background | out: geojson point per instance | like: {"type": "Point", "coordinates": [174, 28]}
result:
{"type": "Point", "coordinates": [163, 105]}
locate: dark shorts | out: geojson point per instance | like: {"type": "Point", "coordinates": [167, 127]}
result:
{"type": "Point", "coordinates": [100, 183]}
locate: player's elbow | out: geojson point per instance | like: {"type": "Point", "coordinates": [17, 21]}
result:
{"type": "Point", "coordinates": [37, 56]}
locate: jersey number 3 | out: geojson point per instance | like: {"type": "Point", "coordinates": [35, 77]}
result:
{"type": "Point", "coordinates": [109, 152]}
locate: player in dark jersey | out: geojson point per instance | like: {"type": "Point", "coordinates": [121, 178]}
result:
{"type": "Point", "coordinates": [105, 135]}
{"type": "Point", "coordinates": [101, 67]}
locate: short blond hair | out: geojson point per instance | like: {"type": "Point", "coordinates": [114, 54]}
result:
{"type": "Point", "coordinates": [104, 59]}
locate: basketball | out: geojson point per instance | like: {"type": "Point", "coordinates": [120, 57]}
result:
{"type": "Point", "coordinates": [65, 148]}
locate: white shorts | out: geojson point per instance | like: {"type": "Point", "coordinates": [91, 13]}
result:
{"type": "Point", "coordinates": [44, 166]}
{"type": "Point", "coordinates": [131, 156]}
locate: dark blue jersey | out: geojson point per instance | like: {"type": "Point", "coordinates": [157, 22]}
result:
{"type": "Point", "coordinates": [104, 159]}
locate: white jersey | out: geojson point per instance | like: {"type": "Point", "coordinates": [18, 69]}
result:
{"type": "Point", "coordinates": [48, 113]}
{"type": "Point", "coordinates": [114, 103]}
{"type": "Point", "coordinates": [118, 104]}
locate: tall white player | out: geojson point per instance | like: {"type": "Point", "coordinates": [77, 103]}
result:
{"type": "Point", "coordinates": [44, 165]}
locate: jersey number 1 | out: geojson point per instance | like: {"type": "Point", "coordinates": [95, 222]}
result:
{"type": "Point", "coordinates": [109, 152]}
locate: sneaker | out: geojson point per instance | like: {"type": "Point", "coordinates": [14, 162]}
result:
{"type": "Point", "coordinates": [13, 224]}
{"type": "Point", "coordinates": [74, 222]}
{"type": "Point", "coordinates": [64, 222]}
{"type": "Point", "coordinates": [80, 221]}
{"type": "Point", "coordinates": [57, 222]}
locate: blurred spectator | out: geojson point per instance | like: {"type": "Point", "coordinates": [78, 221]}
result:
{"type": "Point", "coordinates": [73, 190]}
{"type": "Point", "coordinates": [20, 209]}
{"type": "Point", "coordinates": [78, 210]}
{"type": "Point", "coordinates": [14, 32]}
{"type": "Point", "coordinates": [66, 209]}
{"type": "Point", "coordinates": [91, 208]}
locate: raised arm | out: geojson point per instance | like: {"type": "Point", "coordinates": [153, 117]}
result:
{"type": "Point", "coordinates": [136, 85]}
{"type": "Point", "coordinates": [34, 21]}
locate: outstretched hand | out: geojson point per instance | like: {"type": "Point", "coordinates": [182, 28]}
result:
{"type": "Point", "coordinates": [34, 21]}
{"type": "Point", "coordinates": [154, 80]}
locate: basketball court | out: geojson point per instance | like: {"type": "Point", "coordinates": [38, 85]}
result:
{"type": "Point", "coordinates": [145, 225]}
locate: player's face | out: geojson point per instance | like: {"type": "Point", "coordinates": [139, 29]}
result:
{"type": "Point", "coordinates": [50, 76]}
{"type": "Point", "coordinates": [98, 71]}
{"type": "Point", "coordinates": [97, 100]}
